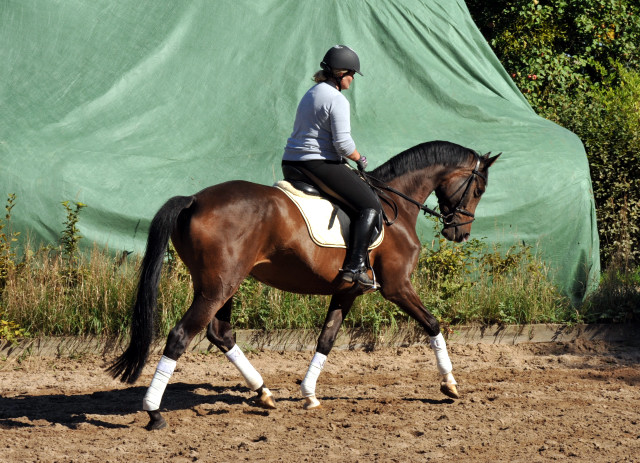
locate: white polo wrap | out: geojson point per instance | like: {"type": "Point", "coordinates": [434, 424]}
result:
{"type": "Point", "coordinates": [153, 397]}
{"type": "Point", "coordinates": [250, 374]}
{"type": "Point", "coordinates": [308, 385]}
{"type": "Point", "coordinates": [439, 346]}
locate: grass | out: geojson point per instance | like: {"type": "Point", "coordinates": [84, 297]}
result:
{"type": "Point", "coordinates": [617, 299]}
{"type": "Point", "coordinates": [42, 295]}
{"type": "Point", "coordinates": [54, 291]}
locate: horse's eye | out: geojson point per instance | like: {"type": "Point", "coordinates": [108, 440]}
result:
{"type": "Point", "coordinates": [478, 192]}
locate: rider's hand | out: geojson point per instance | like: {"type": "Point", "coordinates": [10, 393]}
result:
{"type": "Point", "coordinates": [362, 163]}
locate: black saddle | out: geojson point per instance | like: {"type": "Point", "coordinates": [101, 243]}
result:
{"type": "Point", "coordinates": [300, 181]}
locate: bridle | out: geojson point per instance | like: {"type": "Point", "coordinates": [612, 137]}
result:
{"type": "Point", "coordinates": [447, 220]}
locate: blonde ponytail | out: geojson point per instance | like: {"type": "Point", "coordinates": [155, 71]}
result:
{"type": "Point", "coordinates": [321, 75]}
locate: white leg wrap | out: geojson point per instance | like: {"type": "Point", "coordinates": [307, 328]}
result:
{"type": "Point", "coordinates": [439, 346]}
{"type": "Point", "coordinates": [250, 374]}
{"type": "Point", "coordinates": [159, 382]}
{"type": "Point", "coordinates": [308, 385]}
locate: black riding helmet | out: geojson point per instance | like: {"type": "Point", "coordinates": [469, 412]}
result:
{"type": "Point", "coordinates": [341, 57]}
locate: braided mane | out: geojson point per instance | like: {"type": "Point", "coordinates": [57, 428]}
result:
{"type": "Point", "coordinates": [421, 156]}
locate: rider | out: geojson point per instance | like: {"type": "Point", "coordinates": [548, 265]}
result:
{"type": "Point", "coordinates": [319, 146]}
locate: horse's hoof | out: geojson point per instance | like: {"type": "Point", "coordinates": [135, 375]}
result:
{"type": "Point", "coordinates": [310, 403]}
{"type": "Point", "coordinates": [265, 399]}
{"type": "Point", "coordinates": [450, 390]}
{"type": "Point", "coordinates": [156, 421]}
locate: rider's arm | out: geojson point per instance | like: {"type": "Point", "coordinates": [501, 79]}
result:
{"type": "Point", "coordinates": [355, 155]}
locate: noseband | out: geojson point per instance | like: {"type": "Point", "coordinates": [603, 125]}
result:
{"type": "Point", "coordinates": [445, 219]}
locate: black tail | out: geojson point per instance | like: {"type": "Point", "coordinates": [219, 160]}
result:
{"type": "Point", "coordinates": [129, 365]}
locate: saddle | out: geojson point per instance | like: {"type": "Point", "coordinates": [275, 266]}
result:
{"type": "Point", "coordinates": [327, 222]}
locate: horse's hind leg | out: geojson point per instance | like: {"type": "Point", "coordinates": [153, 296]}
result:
{"type": "Point", "coordinates": [220, 334]}
{"type": "Point", "coordinates": [194, 320]}
{"type": "Point", "coordinates": [338, 310]}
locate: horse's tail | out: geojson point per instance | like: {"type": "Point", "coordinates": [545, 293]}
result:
{"type": "Point", "coordinates": [129, 365]}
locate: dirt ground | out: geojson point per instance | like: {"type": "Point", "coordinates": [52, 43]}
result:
{"type": "Point", "coordinates": [576, 401]}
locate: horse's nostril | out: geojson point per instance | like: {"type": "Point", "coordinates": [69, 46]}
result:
{"type": "Point", "coordinates": [465, 237]}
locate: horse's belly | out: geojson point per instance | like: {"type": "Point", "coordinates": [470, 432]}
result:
{"type": "Point", "coordinates": [296, 278]}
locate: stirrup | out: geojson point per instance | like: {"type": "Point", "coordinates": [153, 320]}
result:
{"type": "Point", "coordinates": [355, 276]}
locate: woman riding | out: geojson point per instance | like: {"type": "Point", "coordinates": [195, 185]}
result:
{"type": "Point", "coordinates": [319, 146]}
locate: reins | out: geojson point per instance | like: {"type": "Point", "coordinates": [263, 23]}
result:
{"type": "Point", "coordinates": [446, 219]}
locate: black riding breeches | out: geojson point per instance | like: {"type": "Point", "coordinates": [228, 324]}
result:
{"type": "Point", "coordinates": [340, 182]}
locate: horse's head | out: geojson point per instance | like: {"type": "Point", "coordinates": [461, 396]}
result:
{"type": "Point", "coordinates": [459, 194]}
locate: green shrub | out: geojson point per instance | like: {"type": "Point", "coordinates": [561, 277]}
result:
{"type": "Point", "coordinates": [11, 331]}
{"type": "Point", "coordinates": [488, 285]}
{"type": "Point", "coordinates": [577, 62]}
{"type": "Point", "coordinates": [608, 123]}
{"type": "Point", "coordinates": [561, 47]}
{"type": "Point", "coordinates": [617, 299]}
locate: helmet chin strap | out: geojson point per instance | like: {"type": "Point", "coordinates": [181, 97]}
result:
{"type": "Point", "coordinates": [336, 80]}
{"type": "Point", "coordinates": [338, 83]}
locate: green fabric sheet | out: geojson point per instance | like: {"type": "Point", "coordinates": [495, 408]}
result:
{"type": "Point", "coordinates": [123, 104]}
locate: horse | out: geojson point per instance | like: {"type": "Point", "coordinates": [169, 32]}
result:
{"type": "Point", "coordinates": [231, 230]}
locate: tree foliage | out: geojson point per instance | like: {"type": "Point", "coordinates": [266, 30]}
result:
{"type": "Point", "coordinates": [607, 120]}
{"type": "Point", "coordinates": [578, 64]}
{"type": "Point", "coordinates": [561, 47]}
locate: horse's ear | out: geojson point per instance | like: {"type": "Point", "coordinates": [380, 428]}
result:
{"type": "Point", "coordinates": [488, 161]}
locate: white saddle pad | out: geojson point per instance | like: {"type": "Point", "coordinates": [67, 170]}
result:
{"type": "Point", "coordinates": [316, 212]}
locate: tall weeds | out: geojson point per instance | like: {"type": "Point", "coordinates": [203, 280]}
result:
{"type": "Point", "coordinates": [59, 291]}
{"type": "Point", "coordinates": [455, 284]}
{"type": "Point", "coordinates": [7, 241]}
{"type": "Point", "coordinates": [40, 297]}
{"type": "Point", "coordinates": [617, 299]}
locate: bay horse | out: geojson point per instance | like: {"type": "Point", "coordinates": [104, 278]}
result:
{"type": "Point", "coordinates": [229, 231]}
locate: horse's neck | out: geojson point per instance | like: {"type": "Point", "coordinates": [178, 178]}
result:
{"type": "Point", "coordinates": [419, 184]}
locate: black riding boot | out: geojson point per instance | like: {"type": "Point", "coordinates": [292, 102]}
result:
{"type": "Point", "coordinates": [355, 268]}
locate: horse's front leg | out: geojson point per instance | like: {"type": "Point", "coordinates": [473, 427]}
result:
{"type": "Point", "coordinates": [338, 310]}
{"type": "Point", "coordinates": [219, 332]}
{"type": "Point", "coordinates": [407, 299]}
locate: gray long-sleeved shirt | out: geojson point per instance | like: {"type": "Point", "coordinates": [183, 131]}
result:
{"type": "Point", "coordinates": [322, 129]}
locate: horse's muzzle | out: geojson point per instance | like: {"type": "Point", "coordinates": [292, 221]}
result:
{"type": "Point", "coordinates": [454, 233]}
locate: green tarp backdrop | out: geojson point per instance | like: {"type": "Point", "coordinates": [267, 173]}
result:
{"type": "Point", "coordinates": [123, 104]}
